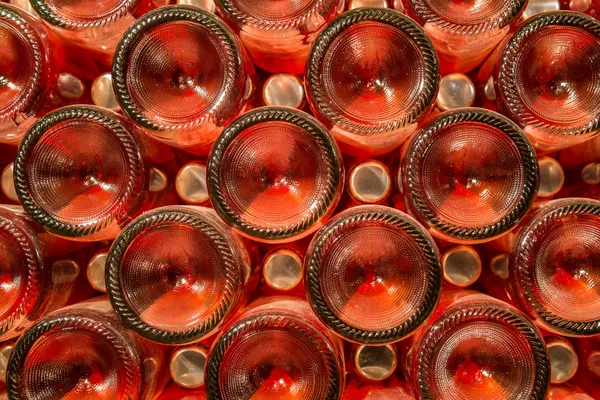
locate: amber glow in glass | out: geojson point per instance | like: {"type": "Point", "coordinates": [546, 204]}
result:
{"type": "Point", "coordinates": [175, 274]}
{"type": "Point", "coordinates": [30, 285]}
{"type": "Point", "coordinates": [83, 172]}
{"type": "Point", "coordinates": [276, 349]}
{"type": "Point", "coordinates": [165, 84]}
{"type": "Point", "coordinates": [555, 266]}
{"type": "Point", "coordinates": [83, 352]}
{"type": "Point", "coordinates": [28, 71]}
{"type": "Point", "coordinates": [373, 274]}
{"type": "Point", "coordinates": [96, 26]}
{"type": "Point", "coordinates": [545, 78]}
{"type": "Point", "coordinates": [278, 35]}
{"type": "Point", "coordinates": [478, 347]}
{"type": "Point", "coordinates": [372, 76]}
{"type": "Point", "coordinates": [275, 174]}
{"type": "Point", "coordinates": [464, 33]}
{"type": "Point", "coordinates": [469, 176]}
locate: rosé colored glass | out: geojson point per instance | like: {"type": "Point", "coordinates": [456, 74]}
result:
{"type": "Point", "coordinates": [478, 347]}
{"type": "Point", "coordinates": [545, 77]}
{"type": "Point", "coordinates": [28, 72]}
{"type": "Point", "coordinates": [555, 266]}
{"type": "Point", "coordinates": [372, 76]}
{"type": "Point", "coordinates": [96, 26]}
{"type": "Point", "coordinates": [276, 349]}
{"type": "Point", "coordinates": [278, 35]}
{"type": "Point", "coordinates": [31, 284]}
{"type": "Point", "coordinates": [83, 352]}
{"type": "Point", "coordinates": [390, 389]}
{"type": "Point", "coordinates": [83, 172]}
{"type": "Point", "coordinates": [373, 274]}
{"type": "Point", "coordinates": [164, 83]}
{"type": "Point", "coordinates": [469, 176]}
{"type": "Point", "coordinates": [275, 174]}
{"type": "Point", "coordinates": [567, 392]}
{"type": "Point", "coordinates": [464, 33]}
{"type": "Point", "coordinates": [175, 274]}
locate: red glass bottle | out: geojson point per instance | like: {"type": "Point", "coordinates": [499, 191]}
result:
{"type": "Point", "coordinates": [33, 281]}
{"type": "Point", "coordinates": [373, 274]}
{"type": "Point", "coordinates": [97, 27]}
{"type": "Point", "coordinates": [275, 174]}
{"type": "Point", "coordinates": [176, 274]}
{"type": "Point", "coordinates": [372, 76]}
{"type": "Point", "coordinates": [478, 347]}
{"type": "Point", "coordinates": [555, 267]}
{"type": "Point", "coordinates": [464, 33]}
{"type": "Point", "coordinates": [29, 72]}
{"type": "Point", "coordinates": [164, 83]}
{"type": "Point", "coordinates": [275, 349]}
{"type": "Point", "coordinates": [83, 352]}
{"type": "Point", "coordinates": [543, 77]}
{"type": "Point", "coordinates": [469, 176]}
{"type": "Point", "coordinates": [278, 35]}
{"type": "Point", "coordinates": [84, 172]}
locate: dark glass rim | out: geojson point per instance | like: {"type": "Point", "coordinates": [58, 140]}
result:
{"type": "Point", "coordinates": [486, 311]}
{"type": "Point", "coordinates": [33, 270]}
{"type": "Point", "coordinates": [417, 148]}
{"type": "Point", "coordinates": [62, 21]}
{"type": "Point", "coordinates": [166, 216]}
{"type": "Point", "coordinates": [318, 8]}
{"type": "Point", "coordinates": [428, 15]}
{"type": "Point", "coordinates": [322, 137]}
{"type": "Point", "coordinates": [33, 90]}
{"type": "Point", "coordinates": [313, 75]}
{"type": "Point", "coordinates": [164, 15]}
{"type": "Point", "coordinates": [125, 203]}
{"type": "Point", "coordinates": [507, 69]}
{"type": "Point", "coordinates": [346, 221]}
{"type": "Point", "coordinates": [524, 253]}
{"type": "Point", "coordinates": [59, 322]}
{"type": "Point", "coordinates": [262, 321]}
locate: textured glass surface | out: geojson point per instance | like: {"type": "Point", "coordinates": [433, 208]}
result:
{"type": "Point", "coordinates": [372, 73]}
{"type": "Point", "coordinates": [274, 163]}
{"type": "Point", "coordinates": [173, 276]}
{"type": "Point", "coordinates": [557, 265]}
{"type": "Point", "coordinates": [477, 348]}
{"type": "Point", "coordinates": [376, 271]}
{"type": "Point", "coordinates": [168, 76]}
{"type": "Point", "coordinates": [469, 175]}
{"type": "Point", "coordinates": [275, 174]}
{"type": "Point", "coordinates": [83, 352]}
{"type": "Point", "coordinates": [472, 174]}
{"type": "Point", "coordinates": [181, 74]}
{"type": "Point", "coordinates": [83, 168]}
{"type": "Point", "coordinates": [558, 76]}
{"type": "Point", "coordinates": [181, 272]}
{"type": "Point", "coordinates": [278, 34]}
{"type": "Point", "coordinates": [277, 350]}
{"type": "Point", "coordinates": [548, 79]}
